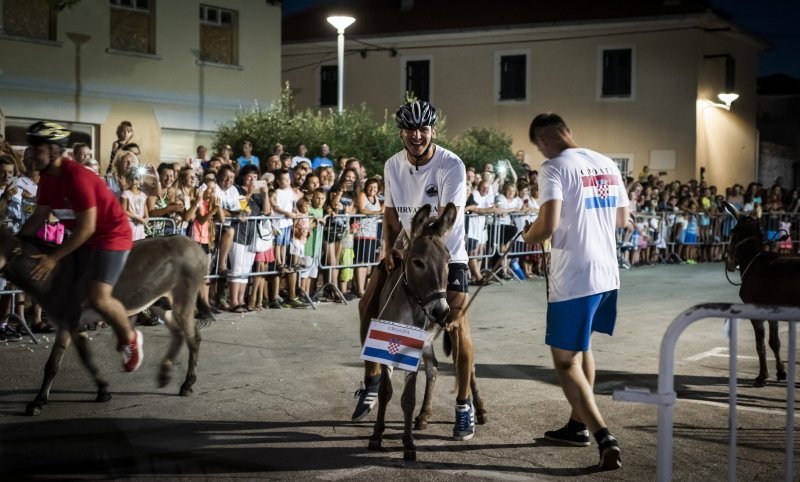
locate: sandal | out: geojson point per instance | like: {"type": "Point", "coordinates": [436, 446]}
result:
{"type": "Point", "coordinates": [42, 327]}
{"type": "Point", "coordinates": [239, 309]}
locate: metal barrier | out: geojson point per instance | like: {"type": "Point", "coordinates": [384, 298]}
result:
{"type": "Point", "coordinates": [13, 316]}
{"type": "Point", "coordinates": [349, 242]}
{"type": "Point", "coordinates": [665, 396]}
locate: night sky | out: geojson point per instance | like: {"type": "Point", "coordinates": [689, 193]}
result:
{"type": "Point", "coordinates": [772, 20]}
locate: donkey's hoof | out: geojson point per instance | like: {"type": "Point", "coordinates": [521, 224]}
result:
{"type": "Point", "coordinates": [185, 391]}
{"type": "Point", "coordinates": [781, 376]}
{"type": "Point", "coordinates": [102, 397]}
{"type": "Point", "coordinates": [164, 377]}
{"type": "Point", "coordinates": [375, 445]}
{"type": "Point", "coordinates": [410, 455]}
{"type": "Point", "coordinates": [760, 382]}
{"type": "Point", "coordinates": [481, 418]}
{"type": "Point", "coordinates": [420, 424]}
{"type": "Point", "coordinates": [33, 409]}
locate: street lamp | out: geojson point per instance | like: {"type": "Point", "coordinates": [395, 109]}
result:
{"type": "Point", "coordinates": [341, 23]}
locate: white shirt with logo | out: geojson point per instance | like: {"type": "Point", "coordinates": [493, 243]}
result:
{"type": "Point", "coordinates": [440, 181]}
{"type": "Point", "coordinates": [584, 256]}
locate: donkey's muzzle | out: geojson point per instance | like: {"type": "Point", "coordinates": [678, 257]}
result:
{"type": "Point", "coordinates": [438, 311]}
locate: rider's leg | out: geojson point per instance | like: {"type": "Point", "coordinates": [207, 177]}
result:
{"type": "Point", "coordinates": [110, 309]}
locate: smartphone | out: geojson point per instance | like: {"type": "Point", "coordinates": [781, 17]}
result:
{"type": "Point", "coordinates": [260, 183]}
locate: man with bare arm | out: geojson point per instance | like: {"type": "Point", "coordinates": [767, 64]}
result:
{"type": "Point", "coordinates": [582, 201]}
{"type": "Point", "coordinates": [424, 173]}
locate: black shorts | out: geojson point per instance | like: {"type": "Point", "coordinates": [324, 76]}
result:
{"type": "Point", "coordinates": [472, 244]}
{"type": "Point", "coordinates": [104, 266]}
{"type": "Point", "coordinates": [508, 232]}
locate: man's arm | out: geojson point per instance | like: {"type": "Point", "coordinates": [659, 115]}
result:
{"type": "Point", "coordinates": [545, 224]}
{"type": "Point", "coordinates": [35, 222]}
{"type": "Point", "coordinates": [391, 230]}
{"type": "Point", "coordinates": [623, 216]}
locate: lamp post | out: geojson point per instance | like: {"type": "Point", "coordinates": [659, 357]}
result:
{"type": "Point", "coordinates": [341, 23]}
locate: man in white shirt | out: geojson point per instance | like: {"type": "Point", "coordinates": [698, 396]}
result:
{"type": "Point", "coordinates": [424, 173]}
{"type": "Point", "coordinates": [583, 200]}
{"type": "Point", "coordinates": [301, 156]}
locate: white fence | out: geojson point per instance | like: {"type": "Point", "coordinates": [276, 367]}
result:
{"type": "Point", "coordinates": [665, 396]}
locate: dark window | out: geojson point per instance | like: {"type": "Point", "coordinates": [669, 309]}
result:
{"type": "Point", "coordinates": [617, 71]}
{"type": "Point", "coordinates": [328, 86]}
{"type": "Point", "coordinates": [418, 79]}
{"type": "Point", "coordinates": [219, 35]}
{"type": "Point", "coordinates": [512, 77]}
{"type": "Point", "coordinates": [34, 19]}
{"type": "Point", "coordinates": [133, 26]}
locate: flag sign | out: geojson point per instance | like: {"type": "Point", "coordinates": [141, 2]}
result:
{"type": "Point", "coordinates": [394, 344]}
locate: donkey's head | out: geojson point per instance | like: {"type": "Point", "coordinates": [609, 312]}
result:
{"type": "Point", "coordinates": [746, 238]}
{"type": "Point", "coordinates": [16, 263]}
{"type": "Point", "coordinates": [426, 260]}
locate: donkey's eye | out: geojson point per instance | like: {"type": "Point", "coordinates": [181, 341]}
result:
{"type": "Point", "coordinates": [419, 264]}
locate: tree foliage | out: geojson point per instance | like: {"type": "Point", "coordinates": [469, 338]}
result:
{"type": "Point", "coordinates": [352, 133]}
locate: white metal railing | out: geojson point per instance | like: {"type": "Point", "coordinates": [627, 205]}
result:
{"type": "Point", "coordinates": [665, 396]}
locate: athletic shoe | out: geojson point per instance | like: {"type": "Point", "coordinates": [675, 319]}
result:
{"type": "Point", "coordinates": [297, 303]}
{"type": "Point", "coordinates": [275, 305]}
{"type": "Point", "coordinates": [367, 398]}
{"type": "Point", "coordinates": [132, 352]}
{"type": "Point", "coordinates": [564, 435]}
{"type": "Point", "coordinates": [10, 334]}
{"type": "Point", "coordinates": [464, 428]}
{"type": "Point", "coordinates": [609, 454]}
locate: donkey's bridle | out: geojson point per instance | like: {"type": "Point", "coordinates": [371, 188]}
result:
{"type": "Point", "coordinates": [732, 252]}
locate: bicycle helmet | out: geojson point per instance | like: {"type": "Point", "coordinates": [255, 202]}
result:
{"type": "Point", "coordinates": [416, 114]}
{"type": "Point", "coordinates": [46, 132]}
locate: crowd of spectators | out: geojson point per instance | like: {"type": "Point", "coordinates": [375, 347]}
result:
{"type": "Point", "coordinates": [296, 227]}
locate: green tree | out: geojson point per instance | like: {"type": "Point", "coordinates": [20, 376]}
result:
{"type": "Point", "coordinates": [352, 133]}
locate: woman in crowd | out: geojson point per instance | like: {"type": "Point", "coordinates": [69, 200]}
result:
{"type": "Point", "coordinates": [505, 204]}
{"type": "Point", "coordinates": [134, 203]}
{"type": "Point", "coordinates": [365, 238]}
{"type": "Point", "coordinates": [203, 226]}
{"type": "Point", "coordinates": [254, 200]}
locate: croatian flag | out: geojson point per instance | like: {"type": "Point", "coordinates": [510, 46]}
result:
{"type": "Point", "coordinates": [394, 344]}
{"type": "Point", "coordinates": [600, 191]}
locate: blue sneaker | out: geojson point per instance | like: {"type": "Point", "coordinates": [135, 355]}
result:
{"type": "Point", "coordinates": [464, 428]}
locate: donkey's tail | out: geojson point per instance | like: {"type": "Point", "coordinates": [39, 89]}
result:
{"type": "Point", "coordinates": [204, 315]}
{"type": "Point", "coordinates": [447, 344]}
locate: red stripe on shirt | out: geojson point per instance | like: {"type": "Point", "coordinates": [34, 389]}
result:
{"type": "Point", "coordinates": [592, 180]}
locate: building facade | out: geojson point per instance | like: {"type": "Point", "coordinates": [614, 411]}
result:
{"type": "Point", "coordinates": [173, 68]}
{"type": "Point", "coordinates": [639, 85]}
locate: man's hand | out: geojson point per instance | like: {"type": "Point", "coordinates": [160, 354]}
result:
{"type": "Point", "coordinates": [46, 265]}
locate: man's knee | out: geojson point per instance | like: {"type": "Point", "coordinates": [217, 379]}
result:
{"type": "Point", "coordinates": [564, 360]}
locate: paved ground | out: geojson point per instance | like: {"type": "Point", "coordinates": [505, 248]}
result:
{"type": "Point", "coordinates": [274, 396]}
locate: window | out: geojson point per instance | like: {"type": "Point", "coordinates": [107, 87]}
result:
{"type": "Point", "coordinates": [328, 85]}
{"type": "Point", "coordinates": [512, 77]}
{"type": "Point", "coordinates": [34, 19]}
{"type": "Point", "coordinates": [617, 72]}
{"type": "Point", "coordinates": [219, 35]}
{"type": "Point", "coordinates": [624, 163]}
{"type": "Point", "coordinates": [133, 26]}
{"type": "Point", "coordinates": [418, 79]}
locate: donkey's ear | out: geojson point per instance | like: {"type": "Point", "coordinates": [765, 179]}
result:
{"type": "Point", "coordinates": [729, 208]}
{"type": "Point", "coordinates": [420, 218]}
{"type": "Point", "coordinates": [446, 219]}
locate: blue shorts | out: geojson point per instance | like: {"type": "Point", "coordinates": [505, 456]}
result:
{"type": "Point", "coordinates": [570, 323]}
{"type": "Point", "coordinates": [284, 237]}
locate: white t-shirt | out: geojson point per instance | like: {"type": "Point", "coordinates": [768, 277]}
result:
{"type": "Point", "coordinates": [286, 201]}
{"type": "Point", "coordinates": [442, 180]}
{"type": "Point", "coordinates": [298, 159]}
{"type": "Point", "coordinates": [583, 260]}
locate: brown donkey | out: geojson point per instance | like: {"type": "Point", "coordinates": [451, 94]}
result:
{"type": "Point", "coordinates": [767, 278]}
{"type": "Point", "coordinates": [415, 294]}
{"type": "Point", "coordinates": [167, 270]}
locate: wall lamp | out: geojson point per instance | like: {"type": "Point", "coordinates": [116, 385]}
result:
{"type": "Point", "coordinates": [728, 96]}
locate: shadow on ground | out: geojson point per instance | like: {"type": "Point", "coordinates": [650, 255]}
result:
{"type": "Point", "coordinates": [129, 447]}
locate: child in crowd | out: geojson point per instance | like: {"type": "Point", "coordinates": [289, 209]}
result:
{"type": "Point", "coordinates": [203, 228]}
{"type": "Point", "coordinates": [134, 203]}
{"type": "Point", "coordinates": [308, 278]}
{"type": "Point", "coordinates": [300, 231]}
{"type": "Point", "coordinates": [284, 206]}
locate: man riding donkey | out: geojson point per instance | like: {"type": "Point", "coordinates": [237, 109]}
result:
{"type": "Point", "coordinates": [424, 173]}
{"type": "Point", "coordinates": [100, 232]}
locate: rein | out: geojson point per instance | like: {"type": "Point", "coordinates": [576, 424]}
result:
{"type": "Point", "coordinates": [733, 254]}
{"type": "Point", "coordinates": [420, 301]}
